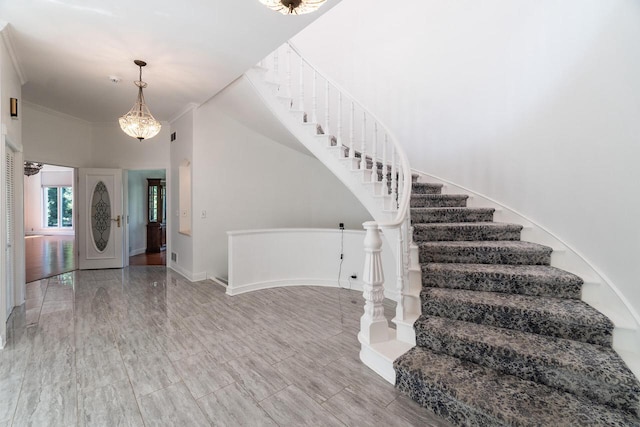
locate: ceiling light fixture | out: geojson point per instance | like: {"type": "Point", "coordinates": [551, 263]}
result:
{"type": "Point", "coordinates": [296, 7]}
{"type": "Point", "coordinates": [138, 122]}
{"type": "Point", "coordinates": [32, 168]}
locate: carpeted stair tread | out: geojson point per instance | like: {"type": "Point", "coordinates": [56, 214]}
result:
{"type": "Point", "coordinates": [425, 188]}
{"type": "Point", "coordinates": [535, 280]}
{"type": "Point", "coordinates": [587, 370]}
{"type": "Point", "coordinates": [468, 394]}
{"type": "Point", "coordinates": [466, 231]}
{"type": "Point", "coordinates": [485, 252]}
{"type": "Point", "coordinates": [451, 214]}
{"type": "Point", "coordinates": [438, 200]}
{"type": "Point", "coordinates": [558, 317]}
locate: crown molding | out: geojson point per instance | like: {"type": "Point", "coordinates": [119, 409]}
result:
{"type": "Point", "coordinates": [6, 31]}
{"type": "Point", "coordinates": [53, 112]}
{"type": "Point", "coordinates": [190, 107]}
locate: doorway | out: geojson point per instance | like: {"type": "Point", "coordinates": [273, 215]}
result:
{"type": "Point", "coordinates": [49, 226]}
{"type": "Point", "coordinates": [147, 216]}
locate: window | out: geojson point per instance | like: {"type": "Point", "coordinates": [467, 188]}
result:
{"type": "Point", "coordinates": [58, 207]}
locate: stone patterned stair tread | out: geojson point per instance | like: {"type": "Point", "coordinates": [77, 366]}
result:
{"type": "Point", "coordinates": [438, 200]}
{"type": "Point", "coordinates": [485, 252]}
{"type": "Point", "coordinates": [535, 280]}
{"type": "Point", "coordinates": [559, 317]}
{"type": "Point", "coordinates": [450, 214]}
{"type": "Point", "coordinates": [426, 188]}
{"type": "Point", "coordinates": [469, 394]}
{"type": "Point", "coordinates": [587, 370]}
{"type": "Point", "coordinates": [473, 231]}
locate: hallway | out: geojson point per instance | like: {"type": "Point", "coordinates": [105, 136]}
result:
{"type": "Point", "coordinates": [144, 346]}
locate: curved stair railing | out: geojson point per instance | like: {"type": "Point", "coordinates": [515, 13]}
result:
{"type": "Point", "coordinates": [367, 158]}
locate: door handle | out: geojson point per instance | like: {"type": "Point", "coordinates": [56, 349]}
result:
{"type": "Point", "coordinates": [117, 219]}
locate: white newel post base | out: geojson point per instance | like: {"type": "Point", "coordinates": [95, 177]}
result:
{"type": "Point", "coordinates": [374, 327]}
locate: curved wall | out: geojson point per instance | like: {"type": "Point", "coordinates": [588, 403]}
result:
{"type": "Point", "coordinates": [535, 104]}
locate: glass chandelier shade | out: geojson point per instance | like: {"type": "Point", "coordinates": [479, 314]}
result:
{"type": "Point", "coordinates": [32, 168]}
{"type": "Point", "coordinates": [138, 122]}
{"type": "Point", "coordinates": [296, 7]}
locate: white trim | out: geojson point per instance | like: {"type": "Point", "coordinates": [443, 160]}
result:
{"type": "Point", "coordinates": [598, 290]}
{"type": "Point", "coordinates": [281, 283]}
{"type": "Point", "coordinates": [138, 251]}
{"type": "Point", "coordinates": [190, 107]}
{"type": "Point", "coordinates": [293, 230]}
{"type": "Point", "coordinates": [53, 112]}
{"type": "Point", "coordinates": [180, 270]}
{"type": "Point", "coordinates": [7, 36]}
{"type": "Point", "coordinates": [380, 356]}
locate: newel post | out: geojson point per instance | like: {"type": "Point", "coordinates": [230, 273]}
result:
{"type": "Point", "coordinates": [373, 325]}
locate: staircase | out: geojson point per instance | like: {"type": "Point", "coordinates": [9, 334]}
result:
{"type": "Point", "coordinates": [504, 338]}
{"type": "Point", "coordinates": [486, 331]}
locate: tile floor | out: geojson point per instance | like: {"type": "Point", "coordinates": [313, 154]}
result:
{"type": "Point", "coordinates": [144, 347]}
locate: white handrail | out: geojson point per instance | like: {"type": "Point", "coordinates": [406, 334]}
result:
{"type": "Point", "coordinates": [373, 324]}
{"type": "Point", "coordinates": [403, 203]}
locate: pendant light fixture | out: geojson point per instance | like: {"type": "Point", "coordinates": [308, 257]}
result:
{"type": "Point", "coordinates": [296, 7]}
{"type": "Point", "coordinates": [32, 168]}
{"type": "Point", "coordinates": [138, 122]}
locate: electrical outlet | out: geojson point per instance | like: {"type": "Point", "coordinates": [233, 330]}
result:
{"type": "Point", "coordinates": [174, 257]}
{"type": "Point", "coordinates": [354, 276]}
{"type": "Point", "coordinates": [341, 226]}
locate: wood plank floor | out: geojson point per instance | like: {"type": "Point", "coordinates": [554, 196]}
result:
{"type": "Point", "coordinates": [159, 258]}
{"type": "Point", "coordinates": [47, 256]}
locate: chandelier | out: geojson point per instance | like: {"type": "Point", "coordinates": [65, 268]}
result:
{"type": "Point", "coordinates": [32, 168]}
{"type": "Point", "coordinates": [138, 122]}
{"type": "Point", "coordinates": [298, 7]}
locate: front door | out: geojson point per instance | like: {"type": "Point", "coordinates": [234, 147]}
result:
{"type": "Point", "coordinates": [100, 226]}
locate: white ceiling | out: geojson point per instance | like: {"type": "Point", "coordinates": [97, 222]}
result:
{"type": "Point", "coordinates": [68, 49]}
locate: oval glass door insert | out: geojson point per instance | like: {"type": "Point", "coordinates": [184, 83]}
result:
{"type": "Point", "coordinates": [101, 216]}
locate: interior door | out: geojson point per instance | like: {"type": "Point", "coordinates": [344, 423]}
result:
{"type": "Point", "coordinates": [100, 227]}
{"type": "Point", "coordinates": [10, 228]}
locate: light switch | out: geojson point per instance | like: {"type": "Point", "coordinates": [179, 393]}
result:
{"type": "Point", "coordinates": [203, 214]}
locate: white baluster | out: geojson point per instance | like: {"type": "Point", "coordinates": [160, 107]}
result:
{"type": "Point", "coordinates": [373, 325]}
{"type": "Point", "coordinates": [288, 87]}
{"type": "Point", "coordinates": [385, 170]}
{"type": "Point", "coordinates": [394, 182]}
{"type": "Point", "coordinates": [314, 98]}
{"type": "Point", "coordinates": [408, 240]}
{"type": "Point", "coordinates": [400, 275]}
{"type": "Point", "coordinates": [374, 154]}
{"type": "Point", "coordinates": [352, 152]}
{"type": "Point", "coordinates": [301, 83]}
{"type": "Point", "coordinates": [400, 182]}
{"type": "Point", "coordinates": [339, 132]}
{"type": "Point", "coordinates": [326, 107]}
{"type": "Point", "coordinates": [363, 156]}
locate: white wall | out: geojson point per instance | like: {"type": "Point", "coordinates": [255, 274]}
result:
{"type": "Point", "coordinates": [11, 88]}
{"type": "Point", "coordinates": [532, 103]}
{"type": "Point", "coordinates": [55, 138]}
{"type": "Point", "coordinates": [112, 148]}
{"type": "Point", "coordinates": [261, 259]}
{"type": "Point", "coordinates": [244, 180]}
{"type": "Point", "coordinates": [137, 196]}
{"type": "Point", "coordinates": [181, 152]}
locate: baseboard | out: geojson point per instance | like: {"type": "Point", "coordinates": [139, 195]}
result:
{"type": "Point", "coordinates": [139, 251]}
